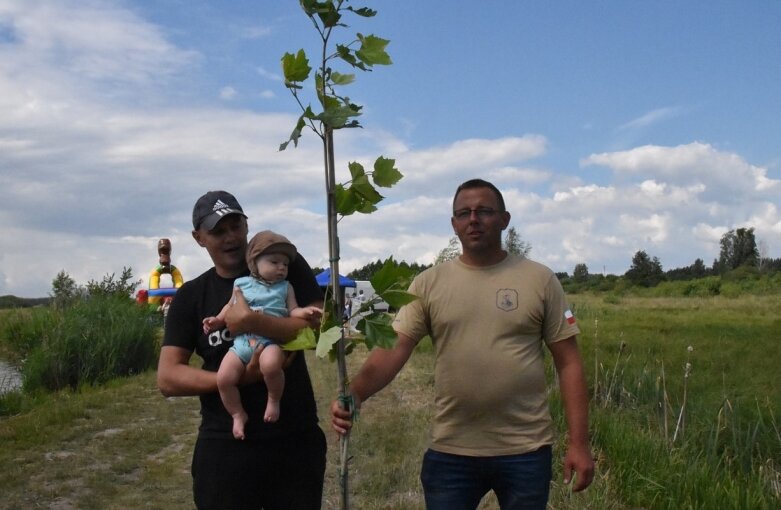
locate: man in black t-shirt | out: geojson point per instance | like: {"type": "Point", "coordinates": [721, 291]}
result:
{"type": "Point", "coordinates": [279, 465]}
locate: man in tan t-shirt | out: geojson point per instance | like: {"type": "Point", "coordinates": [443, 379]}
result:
{"type": "Point", "coordinates": [489, 314]}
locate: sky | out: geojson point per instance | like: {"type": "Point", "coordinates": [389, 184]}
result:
{"type": "Point", "coordinates": [610, 126]}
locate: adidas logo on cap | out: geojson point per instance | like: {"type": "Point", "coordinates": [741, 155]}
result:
{"type": "Point", "coordinates": [219, 204]}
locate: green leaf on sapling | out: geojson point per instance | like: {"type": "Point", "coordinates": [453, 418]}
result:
{"type": "Point", "coordinates": [295, 68]}
{"type": "Point", "coordinates": [327, 340]}
{"type": "Point", "coordinates": [363, 11]}
{"type": "Point", "coordinates": [378, 331]}
{"type": "Point", "coordinates": [372, 50]}
{"type": "Point", "coordinates": [296, 134]}
{"type": "Point", "coordinates": [385, 174]}
{"type": "Point", "coordinates": [345, 200]}
{"type": "Point", "coordinates": [366, 207]}
{"type": "Point", "coordinates": [356, 170]}
{"type": "Point", "coordinates": [363, 187]}
{"type": "Point", "coordinates": [342, 79]}
{"type": "Point", "coordinates": [348, 56]}
{"type": "Point", "coordinates": [303, 341]}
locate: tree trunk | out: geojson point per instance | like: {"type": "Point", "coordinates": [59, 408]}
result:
{"type": "Point", "coordinates": [338, 306]}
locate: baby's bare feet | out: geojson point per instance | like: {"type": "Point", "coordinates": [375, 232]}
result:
{"type": "Point", "coordinates": [272, 411]}
{"type": "Point", "coordinates": [239, 419]}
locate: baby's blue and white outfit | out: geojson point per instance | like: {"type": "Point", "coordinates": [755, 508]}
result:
{"type": "Point", "coordinates": [271, 298]}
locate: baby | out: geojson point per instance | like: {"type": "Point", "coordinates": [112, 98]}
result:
{"type": "Point", "coordinates": [268, 257]}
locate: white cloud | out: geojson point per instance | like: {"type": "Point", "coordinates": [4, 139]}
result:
{"type": "Point", "coordinates": [528, 176]}
{"type": "Point", "coordinates": [255, 32]}
{"type": "Point", "coordinates": [91, 40]}
{"type": "Point", "coordinates": [723, 176]}
{"type": "Point", "coordinates": [262, 71]}
{"type": "Point", "coordinates": [593, 191]}
{"type": "Point", "coordinates": [652, 117]}
{"type": "Point", "coordinates": [467, 152]}
{"type": "Point", "coordinates": [653, 229]}
{"type": "Point", "coordinates": [460, 159]}
{"type": "Point", "coordinates": [766, 219]}
{"type": "Point", "coordinates": [227, 93]}
{"type": "Point", "coordinates": [607, 224]}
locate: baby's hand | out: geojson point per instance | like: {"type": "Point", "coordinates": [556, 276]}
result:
{"type": "Point", "coordinates": [210, 324]}
{"type": "Point", "coordinates": [309, 313]}
{"type": "Point", "coordinates": [312, 312]}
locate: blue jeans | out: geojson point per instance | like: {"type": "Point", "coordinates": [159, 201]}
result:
{"type": "Point", "coordinates": [458, 482]}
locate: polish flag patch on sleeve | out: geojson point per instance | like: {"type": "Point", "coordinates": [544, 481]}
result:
{"type": "Point", "coordinates": [570, 318]}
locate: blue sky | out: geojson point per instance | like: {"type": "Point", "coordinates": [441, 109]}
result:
{"type": "Point", "coordinates": [610, 126]}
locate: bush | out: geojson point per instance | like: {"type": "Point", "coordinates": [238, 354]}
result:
{"type": "Point", "coordinates": [701, 287]}
{"type": "Point", "coordinates": [90, 343]}
{"type": "Point", "coordinates": [21, 331]}
{"type": "Point", "coordinates": [740, 282]}
{"type": "Point", "coordinates": [741, 273]}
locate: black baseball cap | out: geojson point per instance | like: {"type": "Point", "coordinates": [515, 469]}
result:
{"type": "Point", "coordinates": [214, 206]}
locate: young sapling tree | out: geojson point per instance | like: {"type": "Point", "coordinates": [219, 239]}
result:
{"type": "Point", "coordinates": [358, 194]}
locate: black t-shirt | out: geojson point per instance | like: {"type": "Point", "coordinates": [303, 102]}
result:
{"type": "Point", "coordinates": [204, 297]}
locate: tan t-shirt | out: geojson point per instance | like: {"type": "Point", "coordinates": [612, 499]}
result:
{"type": "Point", "coordinates": [488, 325]}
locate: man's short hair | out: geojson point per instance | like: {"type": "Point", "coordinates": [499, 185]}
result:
{"type": "Point", "coordinates": [480, 183]}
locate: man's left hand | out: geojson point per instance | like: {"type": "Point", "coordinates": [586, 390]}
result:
{"type": "Point", "coordinates": [578, 463]}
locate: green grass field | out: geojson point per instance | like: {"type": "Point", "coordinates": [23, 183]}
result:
{"type": "Point", "coordinates": [727, 449]}
{"type": "Point", "coordinates": [125, 446]}
{"type": "Point", "coordinates": [725, 452]}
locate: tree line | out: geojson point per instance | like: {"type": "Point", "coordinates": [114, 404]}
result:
{"type": "Point", "coordinates": [739, 254]}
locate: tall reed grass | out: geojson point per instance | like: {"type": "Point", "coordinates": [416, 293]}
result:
{"type": "Point", "coordinates": [685, 399]}
{"type": "Point", "coordinates": [90, 342]}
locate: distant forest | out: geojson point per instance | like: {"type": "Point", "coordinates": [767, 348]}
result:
{"type": "Point", "coordinates": [740, 257]}
{"type": "Point", "coordinates": [18, 302]}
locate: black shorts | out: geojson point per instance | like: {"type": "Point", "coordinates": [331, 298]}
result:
{"type": "Point", "coordinates": [274, 474]}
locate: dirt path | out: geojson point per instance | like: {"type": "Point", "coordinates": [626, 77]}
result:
{"type": "Point", "coordinates": [124, 446]}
